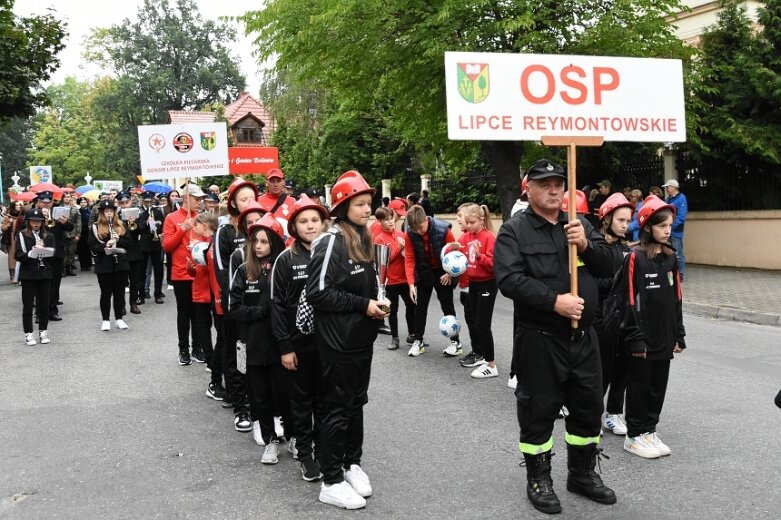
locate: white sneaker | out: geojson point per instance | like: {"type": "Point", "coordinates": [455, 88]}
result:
{"type": "Point", "coordinates": [121, 325]}
{"type": "Point", "coordinates": [105, 325]}
{"type": "Point", "coordinates": [615, 423]}
{"type": "Point", "coordinates": [169, 288]}
{"type": "Point", "coordinates": [563, 413]}
{"type": "Point", "coordinates": [359, 480]}
{"type": "Point", "coordinates": [279, 429]}
{"type": "Point", "coordinates": [29, 339]}
{"type": "Point", "coordinates": [664, 449]}
{"type": "Point", "coordinates": [127, 290]}
{"type": "Point", "coordinates": [512, 382]}
{"type": "Point", "coordinates": [416, 349]}
{"type": "Point", "coordinates": [341, 495]}
{"type": "Point", "coordinates": [484, 372]}
{"type": "Point", "coordinates": [641, 446]}
{"type": "Point", "coordinates": [454, 349]}
{"type": "Point", "coordinates": [256, 435]}
{"type": "Point", "coordinates": [271, 453]}
{"type": "Point", "coordinates": [291, 448]}
{"type": "Point", "coordinates": [44, 337]}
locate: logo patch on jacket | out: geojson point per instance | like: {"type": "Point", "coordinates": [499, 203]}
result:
{"type": "Point", "coordinates": [670, 278]}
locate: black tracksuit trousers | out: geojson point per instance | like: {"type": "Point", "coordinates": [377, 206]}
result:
{"type": "Point", "coordinates": [615, 368]}
{"type": "Point", "coordinates": [645, 394]}
{"type": "Point", "coordinates": [394, 292]}
{"type": "Point", "coordinates": [482, 297]}
{"type": "Point", "coordinates": [305, 406]}
{"type": "Point", "coordinates": [427, 284]}
{"type": "Point", "coordinates": [215, 361]}
{"type": "Point", "coordinates": [234, 380]}
{"type": "Point", "coordinates": [267, 388]}
{"type": "Point", "coordinates": [469, 318]}
{"type": "Point", "coordinates": [553, 371]}
{"type": "Point", "coordinates": [344, 392]}
{"type": "Point", "coordinates": [57, 265]}
{"type": "Point", "coordinates": [35, 295]}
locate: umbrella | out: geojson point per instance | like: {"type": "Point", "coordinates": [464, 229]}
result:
{"type": "Point", "coordinates": [91, 194]}
{"type": "Point", "coordinates": [67, 190]}
{"type": "Point", "coordinates": [46, 186]}
{"type": "Point", "coordinates": [157, 187]}
{"type": "Point", "coordinates": [25, 196]}
{"type": "Point", "coordinates": [85, 188]}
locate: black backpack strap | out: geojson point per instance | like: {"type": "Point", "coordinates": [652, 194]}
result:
{"type": "Point", "coordinates": [280, 200]}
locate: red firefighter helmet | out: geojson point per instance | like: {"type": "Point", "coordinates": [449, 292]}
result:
{"type": "Point", "coordinates": [613, 202]}
{"type": "Point", "coordinates": [267, 222]}
{"type": "Point", "coordinates": [524, 187]}
{"type": "Point", "coordinates": [350, 184]}
{"type": "Point", "coordinates": [252, 207]}
{"type": "Point", "coordinates": [303, 203]}
{"type": "Point", "coordinates": [581, 204]}
{"type": "Point", "coordinates": [235, 186]}
{"type": "Point", "coordinates": [652, 205]}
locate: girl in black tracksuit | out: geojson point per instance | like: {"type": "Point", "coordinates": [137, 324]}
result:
{"type": "Point", "coordinates": [35, 275]}
{"type": "Point", "coordinates": [653, 326]}
{"type": "Point", "coordinates": [250, 308]}
{"type": "Point", "coordinates": [297, 342]}
{"type": "Point", "coordinates": [342, 287]}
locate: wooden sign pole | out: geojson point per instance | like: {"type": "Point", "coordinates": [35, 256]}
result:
{"type": "Point", "coordinates": [572, 143]}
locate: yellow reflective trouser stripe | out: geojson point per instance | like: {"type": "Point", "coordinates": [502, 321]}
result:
{"type": "Point", "coordinates": [535, 449]}
{"type": "Point", "coordinates": [580, 441]}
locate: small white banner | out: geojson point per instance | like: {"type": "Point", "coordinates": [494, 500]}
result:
{"type": "Point", "coordinates": [107, 186]}
{"type": "Point", "coordinates": [523, 97]}
{"type": "Point", "coordinates": [40, 174]}
{"type": "Point", "coordinates": [175, 151]}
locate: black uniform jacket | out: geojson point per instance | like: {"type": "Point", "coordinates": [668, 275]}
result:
{"type": "Point", "coordinates": [60, 232]}
{"type": "Point", "coordinates": [107, 264]}
{"type": "Point", "coordinates": [134, 246]}
{"type": "Point", "coordinates": [655, 322]}
{"type": "Point", "coordinates": [531, 267]}
{"type": "Point", "coordinates": [288, 280]}
{"type": "Point", "coordinates": [29, 267]}
{"type": "Point", "coordinates": [148, 244]}
{"type": "Point", "coordinates": [250, 307]}
{"type": "Point", "coordinates": [339, 290]}
{"type": "Point", "coordinates": [226, 241]}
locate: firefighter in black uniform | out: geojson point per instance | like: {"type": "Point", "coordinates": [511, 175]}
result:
{"type": "Point", "coordinates": [555, 363]}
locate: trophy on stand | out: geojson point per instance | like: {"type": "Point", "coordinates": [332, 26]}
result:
{"type": "Point", "coordinates": [381, 261]}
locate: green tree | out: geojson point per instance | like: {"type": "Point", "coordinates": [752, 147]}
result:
{"type": "Point", "coordinates": [390, 53]}
{"type": "Point", "coordinates": [15, 136]}
{"type": "Point", "coordinates": [28, 58]}
{"type": "Point", "coordinates": [68, 137]}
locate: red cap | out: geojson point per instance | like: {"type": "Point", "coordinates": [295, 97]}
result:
{"type": "Point", "coordinates": [275, 172]}
{"type": "Point", "coordinates": [399, 206]}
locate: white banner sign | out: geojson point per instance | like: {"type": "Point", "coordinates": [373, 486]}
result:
{"type": "Point", "coordinates": [523, 97]}
{"type": "Point", "coordinates": [174, 151]}
{"type": "Point", "coordinates": [107, 186]}
{"type": "Point", "coordinates": [40, 174]}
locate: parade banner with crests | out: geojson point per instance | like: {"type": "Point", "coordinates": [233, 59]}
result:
{"type": "Point", "coordinates": [523, 97]}
{"type": "Point", "coordinates": [248, 160]}
{"type": "Point", "coordinates": [175, 151]}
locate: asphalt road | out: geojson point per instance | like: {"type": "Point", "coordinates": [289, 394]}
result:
{"type": "Point", "coordinates": [107, 425]}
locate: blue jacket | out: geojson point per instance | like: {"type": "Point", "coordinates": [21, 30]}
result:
{"type": "Point", "coordinates": [634, 227]}
{"type": "Point", "coordinates": [681, 208]}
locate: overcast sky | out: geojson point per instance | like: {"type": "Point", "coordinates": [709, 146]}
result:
{"type": "Point", "coordinates": [83, 15]}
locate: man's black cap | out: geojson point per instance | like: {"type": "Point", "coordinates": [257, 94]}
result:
{"type": "Point", "coordinates": [543, 169]}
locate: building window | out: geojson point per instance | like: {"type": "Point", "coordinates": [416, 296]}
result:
{"type": "Point", "coordinates": [250, 135]}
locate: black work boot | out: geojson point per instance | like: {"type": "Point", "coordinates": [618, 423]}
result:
{"type": "Point", "coordinates": [582, 479]}
{"type": "Point", "coordinates": [539, 488]}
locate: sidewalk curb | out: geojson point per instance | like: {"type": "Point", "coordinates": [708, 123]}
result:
{"type": "Point", "coordinates": [731, 314]}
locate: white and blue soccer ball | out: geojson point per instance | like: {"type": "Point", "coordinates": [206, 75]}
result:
{"type": "Point", "coordinates": [449, 326]}
{"type": "Point", "coordinates": [199, 252]}
{"type": "Point", "coordinates": [455, 263]}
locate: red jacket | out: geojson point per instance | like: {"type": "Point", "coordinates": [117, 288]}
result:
{"type": "Point", "coordinates": [396, 265]}
{"type": "Point", "coordinates": [214, 285]}
{"type": "Point", "coordinates": [479, 251]}
{"type": "Point", "coordinates": [175, 241]}
{"type": "Point", "coordinates": [201, 287]}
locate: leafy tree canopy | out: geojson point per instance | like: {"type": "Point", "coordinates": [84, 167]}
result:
{"type": "Point", "coordinates": [28, 58]}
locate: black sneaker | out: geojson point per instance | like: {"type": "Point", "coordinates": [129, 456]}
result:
{"type": "Point", "coordinates": [410, 339]}
{"type": "Point", "coordinates": [184, 359]}
{"type": "Point", "coordinates": [215, 392]}
{"type": "Point", "coordinates": [225, 403]}
{"type": "Point", "coordinates": [472, 359]}
{"type": "Point", "coordinates": [242, 423]}
{"type": "Point", "coordinates": [198, 356]}
{"type": "Point", "coordinates": [310, 470]}
{"type": "Point", "coordinates": [394, 344]}
{"type": "Point", "coordinates": [384, 330]}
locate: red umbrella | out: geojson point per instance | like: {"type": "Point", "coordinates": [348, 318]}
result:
{"type": "Point", "coordinates": [25, 196]}
{"type": "Point", "coordinates": [67, 190]}
{"type": "Point", "coordinates": [46, 186]}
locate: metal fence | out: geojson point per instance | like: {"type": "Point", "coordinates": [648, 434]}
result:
{"type": "Point", "coordinates": [717, 185]}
